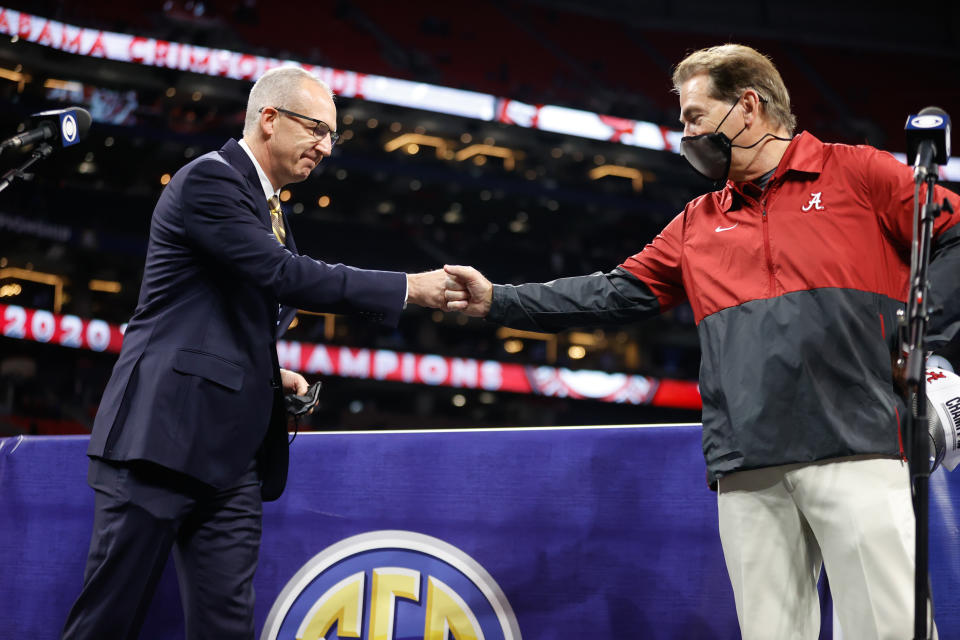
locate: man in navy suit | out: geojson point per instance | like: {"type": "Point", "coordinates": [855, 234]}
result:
{"type": "Point", "coordinates": [191, 436]}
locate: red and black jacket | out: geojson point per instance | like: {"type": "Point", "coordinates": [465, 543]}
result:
{"type": "Point", "coordinates": [794, 290]}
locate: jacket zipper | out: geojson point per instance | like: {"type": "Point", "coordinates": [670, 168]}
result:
{"type": "Point", "coordinates": [766, 247]}
{"type": "Point", "coordinates": [903, 453]}
{"type": "Point", "coordinates": [896, 411]}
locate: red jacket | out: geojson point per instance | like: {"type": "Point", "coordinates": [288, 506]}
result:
{"type": "Point", "coordinates": [794, 289]}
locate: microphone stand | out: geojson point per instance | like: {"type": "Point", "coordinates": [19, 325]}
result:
{"type": "Point", "coordinates": [917, 318]}
{"type": "Point", "coordinates": [42, 151]}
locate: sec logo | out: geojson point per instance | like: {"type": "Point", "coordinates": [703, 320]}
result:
{"type": "Point", "coordinates": [391, 585]}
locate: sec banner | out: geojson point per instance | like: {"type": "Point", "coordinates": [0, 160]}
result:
{"type": "Point", "coordinates": [384, 585]}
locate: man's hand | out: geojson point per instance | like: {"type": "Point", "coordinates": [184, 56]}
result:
{"type": "Point", "coordinates": [468, 291]}
{"type": "Point", "coordinates": [293, 382]}
{"type": "Point", "coordinates": [426, 289]}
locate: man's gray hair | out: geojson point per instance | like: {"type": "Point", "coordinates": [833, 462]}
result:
{"type": "Point", "coordinates": [275, 88]}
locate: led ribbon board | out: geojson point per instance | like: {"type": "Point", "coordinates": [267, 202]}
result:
{"type": "Point", "coordinates": [40, 325]}
{"type": "Point", "coordinates": [135, 49]}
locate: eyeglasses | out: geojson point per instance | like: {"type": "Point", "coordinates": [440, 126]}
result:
{"type": "Point", "coordinates": [321, 129]}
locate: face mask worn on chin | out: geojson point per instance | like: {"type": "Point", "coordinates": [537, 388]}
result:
{"type": "Point", "coordinates": [709, 153]}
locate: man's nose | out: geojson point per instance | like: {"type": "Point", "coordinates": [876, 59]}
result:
{"type": "Point", "coordinates": [324, 146]}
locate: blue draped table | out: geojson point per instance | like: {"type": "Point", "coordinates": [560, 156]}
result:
{"type": "Point", "coordinates": [584, 532]}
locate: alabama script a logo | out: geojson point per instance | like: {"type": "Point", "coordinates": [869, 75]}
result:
{"type": "Point", "coordinates": [814, 203]}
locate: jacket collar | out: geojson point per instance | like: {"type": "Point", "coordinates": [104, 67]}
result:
{"type": "Point", "coordinates": [804, 154]}
{"type": "Point", "coordinates": [268, 190]}
{"type": "Point", "coordinates": [238, 158]}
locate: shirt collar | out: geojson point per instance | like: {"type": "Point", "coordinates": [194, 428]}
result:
{"type": "Point", "coordinates": [268, 190]}
{"type": "Point", "coordinates": [804, 154]}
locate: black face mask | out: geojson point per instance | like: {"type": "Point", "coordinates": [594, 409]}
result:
{"type": "Point", "coordinates": [709, 153]}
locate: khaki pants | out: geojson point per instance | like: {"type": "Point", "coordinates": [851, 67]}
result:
{"type": "Point", "coordinates": [778, 525]}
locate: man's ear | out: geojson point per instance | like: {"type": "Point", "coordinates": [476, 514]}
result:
{"type": "Point", "coordinates": [750, 101]}
{"type": "Point", "coordinates": [268, 121]}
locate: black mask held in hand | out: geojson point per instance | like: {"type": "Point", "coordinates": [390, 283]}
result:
{"type": "Point", "coordinates": [299, 405]}
{"type": "Point", "coordinates": [709, 153]}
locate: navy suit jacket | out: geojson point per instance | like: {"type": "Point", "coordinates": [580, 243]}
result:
{"type": "Point", "coordinates": [195, 387]}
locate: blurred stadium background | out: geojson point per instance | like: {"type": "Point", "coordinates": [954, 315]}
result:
{"type": "Point", "coordinates": [413, 184]}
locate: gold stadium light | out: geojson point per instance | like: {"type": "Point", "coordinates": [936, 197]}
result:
{"type": "Point", "coordinates": [512, 336]}
{"type": "Point", "coordinates": [10, 290]}
{"type": "Point", "coordinates": [14, 75]}
{"type": "Point", "coordinates": [412, 141]}
{"type": "Point", "coordinates": [576, 352]}
{"type": "Point", "coordinates": [54, 281]}
{"type": "Point", "coordinates": [604, 170]}
{"type": "Point", "coordinates": [106, 286]}
{"type": "Point", "coordinates": [508, 155]}
{"type": "Point", "coordinates": [594, 339]}
{"type": "Point", "coordinates": [65, 85]}
{"type": "Point", "coordinates": [329, 322]}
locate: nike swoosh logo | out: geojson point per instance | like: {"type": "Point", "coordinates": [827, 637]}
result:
{"type": "Point", "coordinates": [719, 228]}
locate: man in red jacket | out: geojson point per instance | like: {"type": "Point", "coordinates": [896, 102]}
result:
{"type": "Point", "coordinates": [795, 268]}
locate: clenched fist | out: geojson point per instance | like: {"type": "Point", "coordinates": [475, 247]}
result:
{"type": "Point", "coordinates": [467, 290]}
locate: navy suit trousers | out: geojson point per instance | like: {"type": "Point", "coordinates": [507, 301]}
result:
{"type": "Point", "coordinates": [142, 512]}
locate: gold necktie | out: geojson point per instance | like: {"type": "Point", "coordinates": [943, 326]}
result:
{"type": "Point", "coordinates": [276, 219]}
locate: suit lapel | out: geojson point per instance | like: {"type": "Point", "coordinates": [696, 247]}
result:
{"type": "Point", "coordinates": [240, 161]}
{"type": "Point", "coordinates": [234, 154]}
{"type": "Point", "coordinates": [289, 244]}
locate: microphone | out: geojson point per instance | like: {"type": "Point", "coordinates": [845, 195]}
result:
{"type": "Point", "coordinates": [928, 141]}
{"type": "Point", "coordinates": [70, 125]}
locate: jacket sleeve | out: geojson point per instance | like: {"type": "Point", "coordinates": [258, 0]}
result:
{"type": "Point", "coordinates": [597, 299]}
{"type": "Point", "coordinates": [659, 265]}
{"type": "Point", "coordinates": [220, 221]}
{"type": "Point", "coordinates": [891, 187]}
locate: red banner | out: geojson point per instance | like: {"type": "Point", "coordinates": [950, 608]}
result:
{"type": "Point", "coordinates": [39, 325]}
